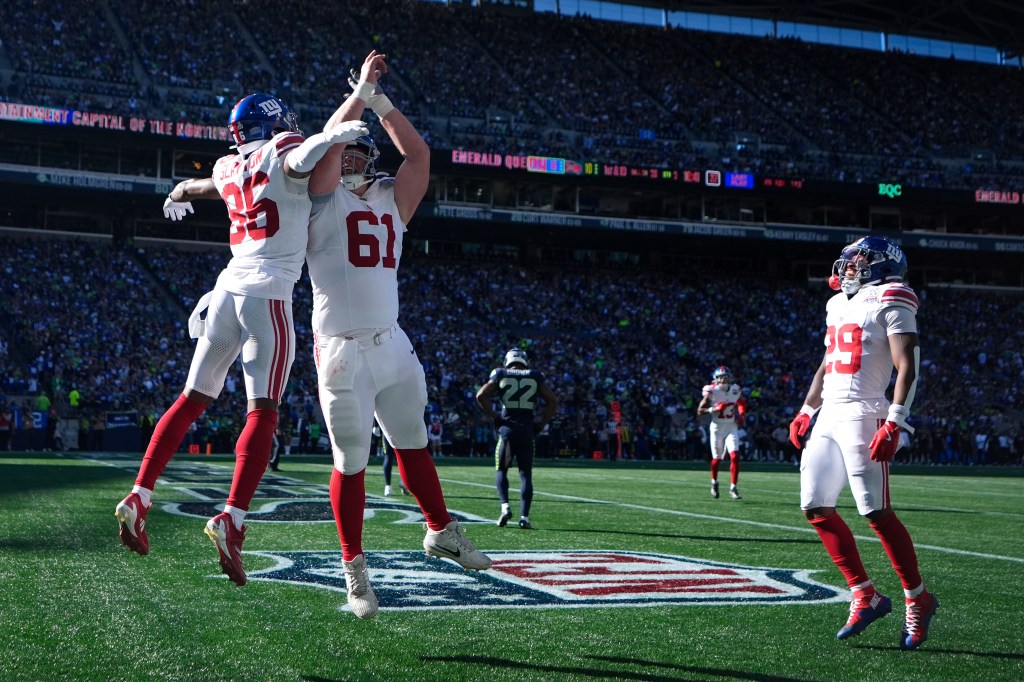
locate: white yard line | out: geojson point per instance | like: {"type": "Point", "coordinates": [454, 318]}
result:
{"type": "Point", "coordinates": [747, 522]}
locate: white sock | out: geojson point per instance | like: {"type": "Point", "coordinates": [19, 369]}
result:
{"type": "Point", "coordinates": [505, 508]}
{"type": "Point", "coordinates": [237, 515]}
{"type": "Point", "coordinates": [145, 494]}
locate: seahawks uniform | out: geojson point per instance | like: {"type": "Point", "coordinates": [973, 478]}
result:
{"type": "Point", "coordinates": [517, 392]}
{"type": "Point", "coordinates": [250, 309]}
{"type": "Point", "coordinates": [365, 362]}
{"type": "Point", "coordinates": [858, 368]}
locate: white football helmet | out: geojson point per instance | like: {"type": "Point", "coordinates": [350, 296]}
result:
{"type": "Point", "coordinates": [516, 357]}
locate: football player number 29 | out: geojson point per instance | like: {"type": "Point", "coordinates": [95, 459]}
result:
{"type": "Point", "coordinates": [253, 219]}
{"type": "Point", "coordinates": [844, 349]}
{"type": "Point", "coordinates": [364, 247]}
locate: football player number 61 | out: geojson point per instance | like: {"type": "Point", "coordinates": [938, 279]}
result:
{"type": "Point", "coordinates": [845, 340]}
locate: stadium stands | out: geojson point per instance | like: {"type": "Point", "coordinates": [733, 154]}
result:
{"type": "Point", "coordinates": [517, 84]}
{"type": "Point", "coordinates": [647, 343]}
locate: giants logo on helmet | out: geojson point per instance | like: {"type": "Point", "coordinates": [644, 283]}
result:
{"type": "Point", "coordinates": [270, 107]}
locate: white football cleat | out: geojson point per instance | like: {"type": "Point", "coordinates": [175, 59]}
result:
{"type": "Point", "coordinates": [450, 543]}
{"type": "Point", "coordinates": [361, 598]}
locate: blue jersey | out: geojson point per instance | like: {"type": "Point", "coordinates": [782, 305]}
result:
{"type": "Point", "coordinates": [517, 392]}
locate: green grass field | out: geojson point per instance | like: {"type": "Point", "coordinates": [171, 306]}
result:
{"type": "Point", "coordinates": [76, 605]}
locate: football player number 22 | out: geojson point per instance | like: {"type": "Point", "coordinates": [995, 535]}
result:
{"type": "Point", "coordinates": [255, 220]}
{"type": "Point", "coordinates": [364, 247]}
{"type": "Point", "coordinates": [845, 347]}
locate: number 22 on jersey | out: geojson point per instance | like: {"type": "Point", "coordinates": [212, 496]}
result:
{"type": "Point", "coordinates": [517, 393]}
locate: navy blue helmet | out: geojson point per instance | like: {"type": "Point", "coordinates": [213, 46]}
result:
{"type": "Point", "coordinates": [259, 117]}
{"type": "Point", "coordinates": [875, 260]}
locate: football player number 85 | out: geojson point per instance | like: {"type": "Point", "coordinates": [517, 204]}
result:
{"type": "Point", "coordinates": [255, 220]}
{"type": "Point", "coordinates": [843, 342]}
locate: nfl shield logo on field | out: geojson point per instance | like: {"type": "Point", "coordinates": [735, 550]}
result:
{"type": "Point", "coordinates": [553, 579]}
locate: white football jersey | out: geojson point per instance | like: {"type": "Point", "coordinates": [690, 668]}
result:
{"type": "Point", "coordinates": [269, 214]}
{"type": "Point", "coordinates": [355, 246]}
{"type": "Point", "coordinates": [858, 362]}
{"type": "Point", "coordinates": [730, 395]}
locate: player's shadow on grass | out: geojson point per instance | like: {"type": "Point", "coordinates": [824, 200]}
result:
{"type": "Point", "coordinates": [930, 650]}
{"type": "Point", "coordinates": [610, 672]}
{"type": "Point", "coordinates": [680, 536]}
{"type": "Point", "coordinates": [22, 478]}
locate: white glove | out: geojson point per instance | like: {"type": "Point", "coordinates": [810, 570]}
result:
{"type": "Point", "coordinates": [346, 131]}
{"type": "Point", "coordinates": [374, 95]}
{"type": "Point", "coordinates": [305, 157]}
{"type": "Point", "coordinates": [176, 210]}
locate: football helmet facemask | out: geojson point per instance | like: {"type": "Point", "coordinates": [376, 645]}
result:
{"type": "Point", "coordinates": [869, 260]}
{"type": "Point", "coordinates": [722, 376]}
{"type": "Point", "coordinates": [516, 357]}
{"type": "Point", "coordinates": [258, 118]}
{"type": "Point", "coordinates": [362, 148]}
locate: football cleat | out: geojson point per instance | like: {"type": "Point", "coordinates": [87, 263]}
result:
{"type": "Point", "coordinates": [450, 543]}
{"type": "Point", "coordinates": [131, 514]}
{"type": "Point", "coordinates": [863, 612]}
{"type": "Point", "coordinates": [361, 598]}
{"type": "Point", "coordinates": [734, 493]}
{"type": "Point", "coordinates": [405, 491]}
{"type": "Point", "coordinates": [920, 610]}
{"type": "Point", "coordinates": [524, 523]}
{"type": "Point", "coordinates": [387, 493]}
{"type": "Point", "coordinates": [504, 518]}
{"type": "Point", "coordinates": [228, 540]}
{"type": "Point", "coordinates": [714, 489]}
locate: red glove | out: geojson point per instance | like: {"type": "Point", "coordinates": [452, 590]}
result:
{"type": "Point", "coordinates": [798, 429]}
{"type": "Point", "coordinates": [718, 407]}
{"type": "Point", "coordinates": [886, 442]}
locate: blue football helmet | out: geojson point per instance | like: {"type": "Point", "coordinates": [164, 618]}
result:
{"type": "Point", "coordinates": [874, 260]}
{"type": "Point", "coordinates": [516, 357]}
{"type": "Point", "coordinates": [722, 375]}
{"type": "Point", "coordinates": [259, 117]}
{"type": "Point", "coordinates": [361, 148]}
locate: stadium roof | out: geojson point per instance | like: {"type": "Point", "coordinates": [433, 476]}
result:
{"type": "Point", "coordinates": [995, 23]}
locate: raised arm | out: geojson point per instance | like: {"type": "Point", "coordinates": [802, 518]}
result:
{"type": "Point", "coordinates": [327, 174]}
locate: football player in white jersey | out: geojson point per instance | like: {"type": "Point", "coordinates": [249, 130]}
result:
{"type": "Point", "coordinates": [724, 401]}
{"type": "Point", "coordinates": [249, 312]}
{"type": "Point", "coordinates": [366, 365]}
{"type": "Point", "coordinates": [871, 328]}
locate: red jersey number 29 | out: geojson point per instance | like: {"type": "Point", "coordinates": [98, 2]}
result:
{"type": "Point", "coordinates": [844, 349]}
{"type": "Point", "coordinates": [255, 220]}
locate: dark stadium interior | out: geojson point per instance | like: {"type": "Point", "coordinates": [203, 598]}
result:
{"type": "Point", "coordinates": [631, 276]}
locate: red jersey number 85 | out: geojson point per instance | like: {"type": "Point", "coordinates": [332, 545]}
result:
{"type": "Point", "coordinates": [255, 220]}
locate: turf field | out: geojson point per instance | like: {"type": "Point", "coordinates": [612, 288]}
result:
{"type": "Point", "coordinates": [632, 572]}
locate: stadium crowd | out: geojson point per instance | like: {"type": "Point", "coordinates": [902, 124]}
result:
{"type": "Point", "coordinates": [540, 83]}
{"type": "Point", "coordinates": [641, 346]}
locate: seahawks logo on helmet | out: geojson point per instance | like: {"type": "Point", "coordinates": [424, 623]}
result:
{"type": "Point", "coordinates": [869, 260]}
{"type": "Point", "coordinates": [516, 357]}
